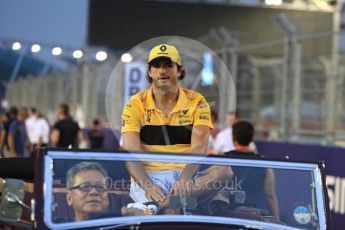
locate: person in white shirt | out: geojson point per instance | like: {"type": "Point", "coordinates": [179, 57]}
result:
{"type": "Point", "coordinates": [223, 142]}
{"type": "Point", "coordinates": [37, 129]}
{"type": "Point", "coordinates": [30, 125]}
{"type": "Point", "coordinates": [43, 130]}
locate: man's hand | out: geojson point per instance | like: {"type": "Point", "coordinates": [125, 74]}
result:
{"type": "Point", "coordinates": [182, 187]}
{"type": "Point", "coordinates": [155, 193]}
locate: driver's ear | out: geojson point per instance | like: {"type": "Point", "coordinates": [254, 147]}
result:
{"type": "Point", "coordinates": [179, 72]}
{"type": "Point", "coordinates": [69, 198]}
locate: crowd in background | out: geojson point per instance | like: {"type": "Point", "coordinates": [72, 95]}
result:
{"type": "Point", "coordinates": [24, 130]}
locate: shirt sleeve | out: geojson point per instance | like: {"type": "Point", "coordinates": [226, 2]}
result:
{"type": "Point", "coordinates": [12, 128]}
{"type": "Point", "coordinates": [131, 117]}
{"type": "Point", "coordinates": [202, 114]}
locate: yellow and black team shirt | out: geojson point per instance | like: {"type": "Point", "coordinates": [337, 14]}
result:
{"type": "Point", "coordinates": [161, 133]}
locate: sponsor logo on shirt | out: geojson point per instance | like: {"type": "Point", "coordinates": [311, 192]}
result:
{"type": "Point", "coordinates": [202, 104]}
{"type": "Point", "coordinates": [204, 118]}
{"type": "Point", "coordinates": [181, 122]}
{"type": "Point", "coordinates": [129, 106]}
{"type": "Point", "coordinates": [148, 115]}
{"type": "Point", "coordinates": [185, 111]}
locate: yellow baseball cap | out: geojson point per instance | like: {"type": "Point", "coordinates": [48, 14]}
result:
{"type": "Point", "coordinates": [165, 50]}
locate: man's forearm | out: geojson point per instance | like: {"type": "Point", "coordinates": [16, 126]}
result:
{"type": "Point", "coordinates": [137, 171]}
{"type": "Point", "coordinates": [11, 146]}
{"type": "Point", "coordinates": [54, 137]}
{"type": "Point", "coordinates": [2, 138]}
{"type": "Point", "coordinates": [273, 205]}
{"type": "Point", "coordinates": [199, 142]}
{"type": "Point", "coordinates": [189, 171]}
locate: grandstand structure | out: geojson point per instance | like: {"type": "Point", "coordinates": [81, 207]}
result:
{"type": "Point", "coordinates": [287, 68]}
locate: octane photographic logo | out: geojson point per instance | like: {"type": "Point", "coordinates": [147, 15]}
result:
{"type": "Point", "coordinates": [234, 186]}
{"type": "Point", "coordinates": [203, 67]}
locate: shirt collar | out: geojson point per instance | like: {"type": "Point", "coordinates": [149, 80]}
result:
{"type": "Point", "coordinates": [181, 104]}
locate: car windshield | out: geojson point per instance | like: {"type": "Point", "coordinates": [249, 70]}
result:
{"type": "Point", "coordinates": [88, 189]}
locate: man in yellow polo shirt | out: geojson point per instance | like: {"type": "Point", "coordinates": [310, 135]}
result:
{"type": "Point", "coordinates": [168, 118]}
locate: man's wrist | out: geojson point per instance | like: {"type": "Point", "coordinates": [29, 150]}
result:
{"type": "Point", "coordinates": [185, 178]}
{"type": "Point", "coordinates": [146, 184]}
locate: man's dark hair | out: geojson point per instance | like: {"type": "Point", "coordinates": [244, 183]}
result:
{"type": "Point", "coordinates": [179, 68]}
{"type": "Point", "coordinates": [65, 109]}
{"type": "Point", "coordinates": [243, 132]}
{"type": "Point", "coordinates": [33, 110]}
{"type": "Point", "coordinates": [83, 166]}
{"type": "Point", "coordinates": [8, 115]}
{"type": "Point", "coordinates": [95, 122]}
{"type": "Point", "coordinates": [13, 112]}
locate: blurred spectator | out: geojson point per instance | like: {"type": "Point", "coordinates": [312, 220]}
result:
{"type": "Point", "coordinates": [44, 131]}
{"type": "Point", "coordinates": [66, 132]}
{"type": "Point", "coordinates": [96, 135]}
{"type": "Point", "coordinates": [38, 130]}
{"type": "Point", "coordinates": [11, 116]}
{"type": "Point", "coordinates": [30, 124]}
{"type": "Point", "coordinates": [214, 117]}
{"type": "Point", "coordinates": [223, 141]}
{"type": "Point", "coordinates": [17, 136]}
{"type": "Point", "coordinates": [25, 113]}
{"type": "Point", "coordinates": [213, 133]}
{"type": "Point", "coordinates": [3, 120]}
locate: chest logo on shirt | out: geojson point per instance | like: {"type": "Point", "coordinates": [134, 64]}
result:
{"type": "Point", "coordinates": [202, 105]}
{"type": "Point", "coordinates": [184, 112]}
{"type": "Point", "coordinates": [148, 115]}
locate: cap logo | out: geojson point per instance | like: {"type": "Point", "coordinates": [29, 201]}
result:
{"type": "Point", "coordinates": [163, 48]}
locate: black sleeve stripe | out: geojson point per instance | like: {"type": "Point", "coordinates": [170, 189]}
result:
{"type": "Point", "coordinates": [166, 134]}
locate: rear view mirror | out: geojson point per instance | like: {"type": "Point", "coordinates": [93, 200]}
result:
{"type": "Point", "coordinates": [12, 200]}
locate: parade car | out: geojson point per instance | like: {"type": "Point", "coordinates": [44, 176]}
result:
{"type": "Point", "coordinates": [299, 192]}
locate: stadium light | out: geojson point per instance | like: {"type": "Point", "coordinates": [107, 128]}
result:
{"type": "Point", "coordinates": [101, 56]}
{"type": "Point", "coordinates": [77, 54]}
{"type": "Point", "coordinates": [16, 46]}
{"type": "Point", "coordinates": [35, 48]}
{"type": "Point", "coordinates": [126, 57]}
{"type": "Point", "coordinates": [56, 51]}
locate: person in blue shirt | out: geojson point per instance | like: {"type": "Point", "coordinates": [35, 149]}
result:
{"type": "Point", "coordinates": [17, 136]}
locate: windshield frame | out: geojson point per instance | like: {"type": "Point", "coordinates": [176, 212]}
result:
{"type": "Point", "coordinates": [178, 158]}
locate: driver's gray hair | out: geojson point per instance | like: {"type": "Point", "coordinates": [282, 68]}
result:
{"type": "Point", "coordinates": [83, 166]}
